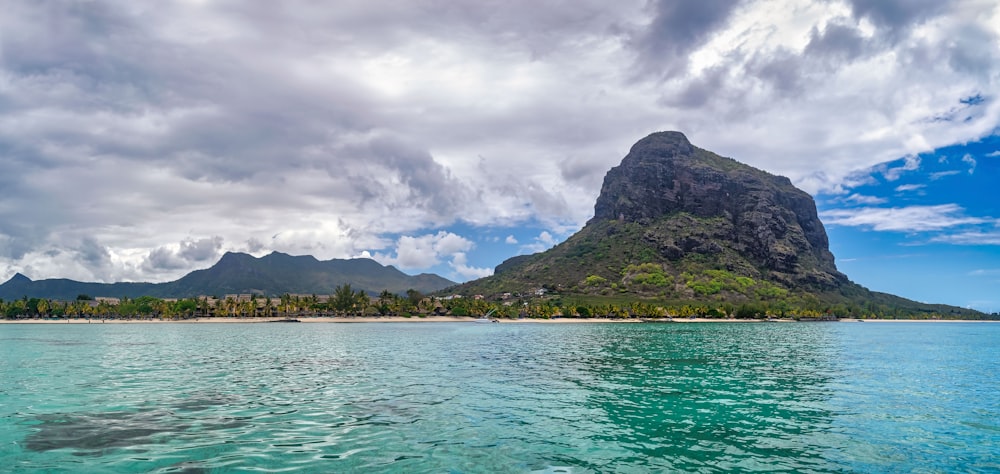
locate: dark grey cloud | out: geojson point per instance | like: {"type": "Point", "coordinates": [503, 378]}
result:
{"type": "Point", "coordinates": [700, 90]}
{"type": "Point", "coordinates": [163, 258]}
{"type": "Point", "coordinates": [254, 245]}
{"type": "Point", "coordinates": [966, 53]}
{"type": "Point", "coordinates": [384, 171]}
{"type": "Point", "coordinates": [897, 16]}
{"type": "Point", "coordinates": [781, 70]}
{"type": "Point", "coordinates": [200, 250]}
{"type": "Point", "coordinates": [676, 29]}
{"type": "Point", "coordinates": [15, 246]}
{"type": "Point", "coordinates": [838, 41]}
{"type": "Point", "coordinates": [187, 253]}
{"type": "Point", "coordinates": [93, 253]}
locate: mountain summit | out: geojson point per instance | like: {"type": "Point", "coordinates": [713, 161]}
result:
{"type": "Point", "coordinates": [674, 222]}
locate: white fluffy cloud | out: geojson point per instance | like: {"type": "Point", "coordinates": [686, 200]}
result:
{"type": "Point", "coordinates": [183, 255]}
{"type": "Point", "coordinates": [969, 160]}
{"type": "Point", "coordinates": [460, 265]}
{"type": "Point", "coordinates": [128, 128]}
{"type": "Point", "coordinates": [543, 241]}
{"type": "Point", "coordinates": [426, 250]}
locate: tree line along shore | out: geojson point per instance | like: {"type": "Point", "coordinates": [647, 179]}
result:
{"type": "Point", "coordinates": [346, 302]}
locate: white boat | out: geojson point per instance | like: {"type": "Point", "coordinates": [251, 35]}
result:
{"type": "Point", "coordinates": [486, 318]}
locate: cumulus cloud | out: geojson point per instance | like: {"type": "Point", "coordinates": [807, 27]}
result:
{"type": "Point", "coordinates": [426, 250]}
{"type": "Point", "coordinates": [92, 254]}
{"type": "Point", "coordinates": [184, 254]}
{"type": "Point", "coordinates": [332, 130]}
{"type": "Point", "coordinates": [460, 265]}
{"type": "Point", "coordinates": [910, 163]}
{"type": "Point", "coordinates": [543, 241]}
{"type": "Point", "coordinates": [969, 160]}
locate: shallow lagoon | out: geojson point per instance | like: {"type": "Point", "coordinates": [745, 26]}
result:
{"type": "Point", "coordinates": [464, 397]}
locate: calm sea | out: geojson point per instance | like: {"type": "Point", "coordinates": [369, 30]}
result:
{"type": "Point", "coordinates": [465, 397]}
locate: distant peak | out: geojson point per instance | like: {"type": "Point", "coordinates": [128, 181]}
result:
{"type": "Point", "coordinates": [234, 257]}
{"type": "Point", "coordinates": [18, 277]}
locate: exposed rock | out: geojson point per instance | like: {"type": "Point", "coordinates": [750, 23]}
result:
{"type": "Point", "coordinates": [773, 224]}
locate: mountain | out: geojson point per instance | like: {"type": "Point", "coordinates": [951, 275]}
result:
{"type": "Point", "coordinates": [279, 273]}
{"type": "Point", "coordinates": [674, 222]}
{"type": "Point", "coordinates": [273, 274]}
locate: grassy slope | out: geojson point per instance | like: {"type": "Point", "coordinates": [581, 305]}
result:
{"type": "Point", "coordinates": [616, 263]}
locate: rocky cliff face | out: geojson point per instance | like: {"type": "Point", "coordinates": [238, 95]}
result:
{"type": "Point", "coordinates": [763, 217]}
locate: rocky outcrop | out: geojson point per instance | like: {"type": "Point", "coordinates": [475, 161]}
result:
{"type": "Point", "coordinates": [766, 219]}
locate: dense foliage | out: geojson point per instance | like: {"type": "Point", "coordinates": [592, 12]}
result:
{"type": "Point", "coordinates": [344, 302]}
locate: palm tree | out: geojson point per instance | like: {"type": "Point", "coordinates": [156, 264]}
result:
{"type": "Point", "coordinates": [363, 302]}
{"type": "Point", "coordinates": [343, 298]}
{"type": "Point", "coordinates": [385, 301]}
{"type": "Point", "coordinates": [230, 306]}
{"type": "Point", "coordinates": [268, 307]}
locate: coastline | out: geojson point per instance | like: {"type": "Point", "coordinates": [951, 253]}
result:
{"type": "Point", "coordinates": [320, 319]}
{"type": "Point", "coordinates": [455, 319]}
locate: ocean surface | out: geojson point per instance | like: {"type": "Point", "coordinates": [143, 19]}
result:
{"type": "Point", "coordinates": [466, 397]}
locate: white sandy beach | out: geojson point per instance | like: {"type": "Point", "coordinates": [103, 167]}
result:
{"type": "Point", "coordinates": [440, 319]}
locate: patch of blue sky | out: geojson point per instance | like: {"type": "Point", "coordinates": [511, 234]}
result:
{"type": "Point", "coordinates": [924, 227]}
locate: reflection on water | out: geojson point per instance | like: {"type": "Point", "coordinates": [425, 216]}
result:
{"type": "Point", "coordinates": [90, 433]}
{"type": "Point", "coordinates": [734, 396]}
{"type": "Point", "coordinates": [495, 398]}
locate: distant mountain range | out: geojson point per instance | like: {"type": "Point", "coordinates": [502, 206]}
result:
{"type": "Point", "coordinates": [270, 275]}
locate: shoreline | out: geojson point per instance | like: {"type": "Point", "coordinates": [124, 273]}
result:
{"type": "Point", "coordinates": [455, 319]}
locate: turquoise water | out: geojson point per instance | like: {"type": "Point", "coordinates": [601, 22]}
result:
{"type": "Point", "coordinates": [464, 397]}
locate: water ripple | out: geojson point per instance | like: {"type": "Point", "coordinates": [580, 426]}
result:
{"type": "Point", "coordinates": [497, 398]}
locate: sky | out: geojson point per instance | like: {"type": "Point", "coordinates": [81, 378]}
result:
{"type": "Point", "coordinates": [142, 140]}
